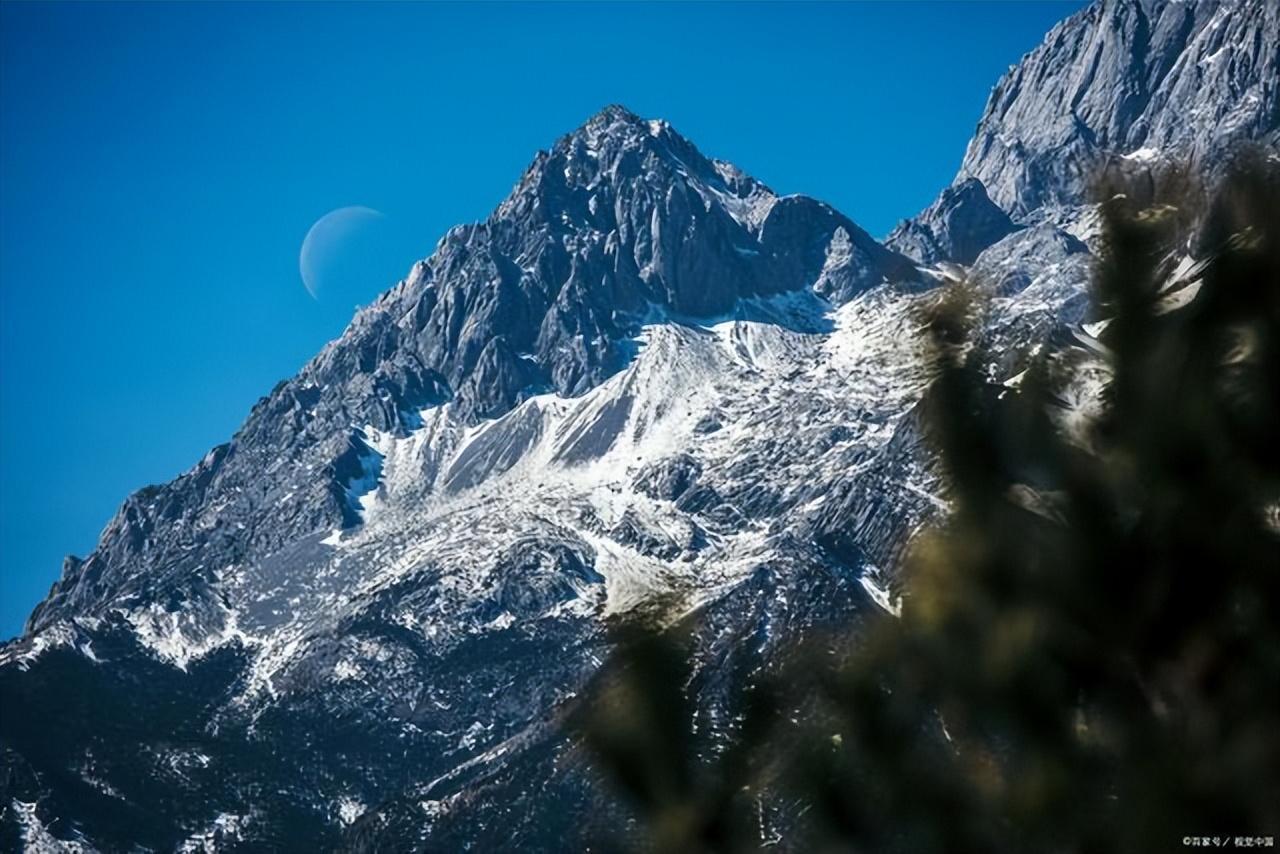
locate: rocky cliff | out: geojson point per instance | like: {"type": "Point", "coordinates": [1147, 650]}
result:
{"type": "Point", "coordinates": [362, 621]}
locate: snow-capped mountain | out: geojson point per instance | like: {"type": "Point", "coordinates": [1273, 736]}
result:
{"type": "Point", "coordinates": [644, 371]}
{"type": "Point", "coordinates": [361, 621]}
{"type": "Point", "coordinates": [1122, 85]}
{"type": "Point", "coordinates": [621, 223]}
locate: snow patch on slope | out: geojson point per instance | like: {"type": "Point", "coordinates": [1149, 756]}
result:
{"type": "Point", "coordinates": [36, 838]}
{"type": "Point", "coordinates": [181, 637]}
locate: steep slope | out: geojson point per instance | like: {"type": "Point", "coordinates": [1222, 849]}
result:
{"type": "Point", "coordinates": [956, 227]}
{"type": "Point", "coordinates": [1122, 83]}
{"type": "Point", "coordinates": [362, 621]}
{"type": "Point", "coordinates": [621, 219]}
{"type": "Point", "coordinates": [1122, 86]}
{"type": "Point", "coordinates": [1141, 80]}
{"type": "Point", "coordinates": [636, 375]}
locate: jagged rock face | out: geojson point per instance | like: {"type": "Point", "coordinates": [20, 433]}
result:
{"type": "Point", "coordinates": [421, 660]}
{"type": "Point", "coordinates": [361, 623]}
{"type": "Point", "coordinates": [619, 219]}
{"type": "Point", "coordinates": [1123, 85]}
{"type": "Point", "coordinates": [1120, 85]}
{"type": "Point", "coordinates": [622, 220]}
{"type": "Point", "coordinates": [1125, 79]}
{"type": "Point", "coordinates": [410, 546]}
{"type": "Point", "coordinates": [957, 227]}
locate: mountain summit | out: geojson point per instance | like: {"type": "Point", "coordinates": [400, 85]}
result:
{"type": "Point", "coordinates": [1128, 83]}
{"type": "Point", "coordinates": [621, 222]}
{"type": "Point", "coordinates": [361, 622]}
{"type": "Point", "coordinates": [1142, 80]}
{"type": "Point", "coordinates": [409, 547]}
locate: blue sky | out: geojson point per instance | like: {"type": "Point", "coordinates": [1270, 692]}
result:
{"type": "Point", "coordinates": [161, 163]}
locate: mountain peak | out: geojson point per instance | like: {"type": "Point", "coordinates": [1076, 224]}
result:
{"type": "Point", "coordinates": [1120, 83]}
{"type": "Point", "coordinates": [614, 122]}
{"type": "Point", "coordinates": [1206, 81]}
{"type": "Point", "coordinates": [622, 220]}
{"type": "Point", "coordinates": [616, 146]}
{"type": "Point", "coordinates": [366, 560]}
{"type": "Point", "coordinates": [614, 113]}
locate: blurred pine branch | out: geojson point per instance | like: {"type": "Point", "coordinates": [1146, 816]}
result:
{"type": "Point", "coordinates": [1088, 655]}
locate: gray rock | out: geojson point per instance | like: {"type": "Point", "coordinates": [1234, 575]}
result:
{"type": "Point", "coordinates": [670, 478]}
{"type": "Point", "coordinates": [424, 660]}
{"type": "Point", "coordinates": [1145, 79]}
{"type": "Point", "coordinates": [957, 227]}
{"type": "Point", "coordinates": [1126, 85]}
{"type": "Point", "coordinates": [620, 219]}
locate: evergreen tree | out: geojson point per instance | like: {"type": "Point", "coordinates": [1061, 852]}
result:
{"type": "Point", "coordinates": [1088, 654]}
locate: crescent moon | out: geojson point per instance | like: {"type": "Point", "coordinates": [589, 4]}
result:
{"type": "Point", "coordinates": [324, 241]}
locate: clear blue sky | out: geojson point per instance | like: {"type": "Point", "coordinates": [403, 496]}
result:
{"type": "Point", "coordinates": [161, 163]}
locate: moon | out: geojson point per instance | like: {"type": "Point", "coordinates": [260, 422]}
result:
{"type": "Point", "coordinates": [330, 242]}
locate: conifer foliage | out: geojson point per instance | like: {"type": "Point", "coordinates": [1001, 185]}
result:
{"type": "Point", "coordinates": [1088, 652]}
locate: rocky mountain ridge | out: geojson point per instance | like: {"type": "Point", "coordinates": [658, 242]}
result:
{"type": "Point", "coordinates": [1119, 85]}
{"type": "Point", "coordinates": [621, 221]}
{"type": "Point", "coordinates": [412, 546]}
{"type": "Point", "coordinates": [361, 622]}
